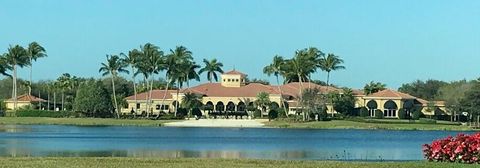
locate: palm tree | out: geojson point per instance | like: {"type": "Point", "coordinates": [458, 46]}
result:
{"type": "Point", "coordinates": [277, 68]}
{"type": "Point", "coordinates": [4, 67]}
{"type": "Point", "coordinates": [34, 51]}
{"type": "Point", "coordinates": [191, 101]}
{"type": "Point", "coordinates": [152, 62]}
{"type": "Point", "coordinates": [176, 68]}
{"type": "Point", "coordinates": [211, 67]}
{"type": "Point", "coordinates": [330, 63]}
{"type": "Point", "coordinates": [64, 83]}
{"type": "Point", "coordinates": [262, 101]}
{"type": "Point", "coordinates": [112, 67]}
{"type": "Point", "coordinates": [373, 87]}
{"type": "Point", "coordinates": [16, 57]}
{"type": "Point", "coordinates": [132, 60]}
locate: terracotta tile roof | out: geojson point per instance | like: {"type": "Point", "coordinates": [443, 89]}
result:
{"type": "Point", "coordinates": [293, 89]}
{"type": "Point", "coordinates": [28, 98]}
{"type": "Point", "coordinates": [425, 102]}
{"type": "Point", "coordinates": [387, 93]}
{"type": "Point", "coordinates": [217, 90]}
{"type": "Point", "coordinates": [234, 72]}
{"type": "Point", "coordinates": [156, 94]}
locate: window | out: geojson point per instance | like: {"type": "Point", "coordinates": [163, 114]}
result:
{"type": "Point", "coordinates": [229, 80]}
{"type": "Point", "coordinates": [157, 107]}
{"type": "Point", "coordinates": [138, 105]}
{"type": "Point", "coordinates": [390, 113]}
{"type": "Point", "coordinates": [224, 80]}
{"type": "Point", "coordinates": [236, 80]}
{"type": "Point", "coordinates": [371, 112]}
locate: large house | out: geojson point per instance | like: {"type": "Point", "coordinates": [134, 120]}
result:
{"type": "Point", "coordinates": [24, 101]}
{"type": "Point", "coordinates": [233, 93]}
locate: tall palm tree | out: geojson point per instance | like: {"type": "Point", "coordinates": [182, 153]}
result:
{"type": "Point", "coordinates": [132, 60]}
{"type": "Point", "coordinates": [329, 63]}
{"type": "Point", "coordinates": [277, 68]}
{"type": "Point", "coordinates": [64, 83]}
{"type": "Point", "coordinates": [34, 51]}
{"type": "Point", "coordinates": [191, 101]}
{"type": "Point", "coordinates": [113, 66]}
{"type": "Point", "coordinates": [374, 87]}
{"type": "Point", "coordinates": [176, 69]}
{"type": "Point", "coordinates": [153, 62]}
{"type": "Point", "coordinates": [16, 57]}
{"type": "Point", "coordinates": [262, 101]}
{"type": "Point", "coordinates": [211, 67]}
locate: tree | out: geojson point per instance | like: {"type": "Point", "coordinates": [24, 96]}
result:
{"type": "Point", "coordinates": [211, 68]}
{"type": "Point", "coordinates": [191, 101]}
{"type": "Point", "coordinates": [452, 94]}
{"type": "Point", "coordinates": [4, 66]}
{"type": "Point", "coordinates": [34, 51]}
{"type": "Point", "coordinates": [93, 99]}
{"type": "Point", "coordinates": [344, 103]}
{"type": "Point", "coordinates": [179, 66]}
{"type": "Point", "coordinates": [312, 102]}
{"type": "Point", "coordinates": [151, 62]}
{"type": "Point", "coordinates": [426, 90]}
{"type": "Point", "coordinates": [329, 63]}
{"type": "Point", "coordinates": [132, 60]}
{"type": "Point", "coordinates": [276, 68]}
{"type": "Point", "coordinates": [64, 83]}
{"type": "Point", "coordinates": [112, 67]}
{"type": "Point", "coordinates": [471, 102]}
{"type": "Point", "coordinates": [255, 80]}
{"type": "Point", "coordinates": [262, 102]}
{"type": "Point", "coordinates": [373, 87]}
{"type": "Point", "coordinates": [16, 57]}
{"type": "Point", "coordinates": [364, 112]}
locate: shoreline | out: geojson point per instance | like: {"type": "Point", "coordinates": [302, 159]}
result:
{"type": "Point", "coordinates": [80, 162]}
{"type": "Point", "coordinates": [230, 123]}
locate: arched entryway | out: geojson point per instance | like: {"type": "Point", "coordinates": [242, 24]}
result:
{"type": "Point", "coordinates": [241, 106]}
{"type": "Point", "coordinates": [274, 105]}
{"type": "Point", "coordinates": [208, 106]}
{"type": "Point", "coordinates": [230, 106]}
{"type": "Point", "coordinates": [220, 106]}
{"type": "Point", "coordinates": [372, 106]}
{"type": "Point", "coordinates": [390, 109]}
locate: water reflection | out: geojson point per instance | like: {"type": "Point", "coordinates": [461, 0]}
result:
{"type": "Point", "coordinates": [297, 144]}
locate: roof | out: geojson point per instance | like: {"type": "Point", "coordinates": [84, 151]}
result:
{"type": "Point", "coordinates": [217, 90]}
{"type": "Point", "coordinates": [357, 92]}
{"type": "Point", "coordinates": [387, 93]}
{"type": "Point", "coordinates": [425, 102]}
{"type": "Point", "coordinates": [156, 94]}
{"type": "Point", "coordinates": [234, 72]}
{"type": "Point", "coordinates": [293, 89]}
{"type": "Point", "coordinates": [28, 98]}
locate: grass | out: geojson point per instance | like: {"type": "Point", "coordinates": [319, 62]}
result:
{"type": "Point", "coordinates": [344, 124]}
{"type": "Point", "coordinates": [199, 163]}
{"type": "Point", "coordinates": [80, 121]}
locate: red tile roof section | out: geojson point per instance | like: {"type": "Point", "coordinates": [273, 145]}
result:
{"type": "Point", "coordinates": [234, 72]}
{"type": "Point", "coordinates": [293, 89]}
{"type": "Point", "coordinates": [391, 94]}
{"type": "Point", "coordinates": [156, 94]}
{"type": "Point", "coordinates": [217, 90]}
{"type": "Point", "coordinates": [28, 98]}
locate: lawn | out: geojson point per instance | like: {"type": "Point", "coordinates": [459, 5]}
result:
{"type": "Point", "coordinates": [199, 163]}
{"type": "Point", "coordinates": [80, 121]}
{"type": "Point", "coordinates": [344, 124]}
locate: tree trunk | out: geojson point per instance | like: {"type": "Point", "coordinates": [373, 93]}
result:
{"type": "Point", "coordinates": [301, 95]}
{"type": "Point", "coordinates": [177, 103]}
{"type": "Point", "coordinates": [134, 90]}
{"type": "Point", "coordinates": [40, 103]}
{"type": "Point", "coordinates": [54, 101]}
{"type": "Point", "coordinates": [48, 101]}
{"type": "Point", "coordinates": [15, 88]}
{"type": "Point", "coordinates": [150, 97]}
{"type": "Point", "coordinates": [281, 98]}
{"type": "Point", "coordinates": [31, 69]}
{"type": "Point", "coordinates": [115, 97]}
{"type": "Point", "coordinates": [165, 92]}
{"type": "Point", "coordinates": [63, 100]}
{"type": "Point", "coordinates": [328, 87]}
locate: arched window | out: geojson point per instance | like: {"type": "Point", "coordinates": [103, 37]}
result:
{"type": "Point", "coordinates": [208, 106]}
{"type": "Point", "coordinates": [390, 109]}
{"type": "Point", "coordinates": [372, 106]}
{"type": "Point", "coordinates": [274, 105]}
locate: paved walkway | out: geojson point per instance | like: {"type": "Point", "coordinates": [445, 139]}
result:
{"type": "Point", "coordinates": [217, 123]}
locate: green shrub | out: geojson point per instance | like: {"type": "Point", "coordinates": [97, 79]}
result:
{"type": "Point", "coordinates": [281, 113]}
{"type": "Point", "coordinates": [402, 114]}
{"type": "Point", "coordinates": [170, 116]}
{"type": "Point", "coordinates": [417, 113]}
{"type": "Point", "coordinates": [272, 114]}
{"type": "Point", "coordinates": [197, 112]}
{"type": "Point", "coordinates": [43, 113]}
{"type": "Point", "coordinates": [257, 113]}
{"type": "Point", "coordinates": [427, 121]}
{"type": "Point", "coordinates": [182, 112]}
{"type": "Point", "coordinates": [364, 112]}
{"type": "Point", "coordinates": [378, 114]}
{"type": "Point", "coordinates": [3, 106]}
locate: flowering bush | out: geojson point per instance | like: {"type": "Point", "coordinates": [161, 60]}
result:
{"type": "Point", "coordinates": [462, 149]}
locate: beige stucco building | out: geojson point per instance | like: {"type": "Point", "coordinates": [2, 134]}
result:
{"type": "Point", "coordinates": [23, 101]}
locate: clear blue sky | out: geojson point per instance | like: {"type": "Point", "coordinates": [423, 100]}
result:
{"type": "Point", "coordinates": [394, 41]}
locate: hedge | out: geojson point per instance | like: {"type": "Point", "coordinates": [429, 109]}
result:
{"type": "Point", "coordinates": [43, 113]}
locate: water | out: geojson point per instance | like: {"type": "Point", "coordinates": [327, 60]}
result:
{"type": "Point", "coordinates": [257, 143]}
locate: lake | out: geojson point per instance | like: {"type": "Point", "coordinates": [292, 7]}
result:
{"type": "Point", "coordinates": [172, 142]}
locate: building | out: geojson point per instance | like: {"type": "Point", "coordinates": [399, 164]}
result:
{"type": "Point", "coordinates": [232, 93]}
{"type": "Point", "coordinates": [24, 101]}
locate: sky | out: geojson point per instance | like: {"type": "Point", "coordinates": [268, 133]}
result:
{"type": "Point", "coordinates": [394, 41]}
